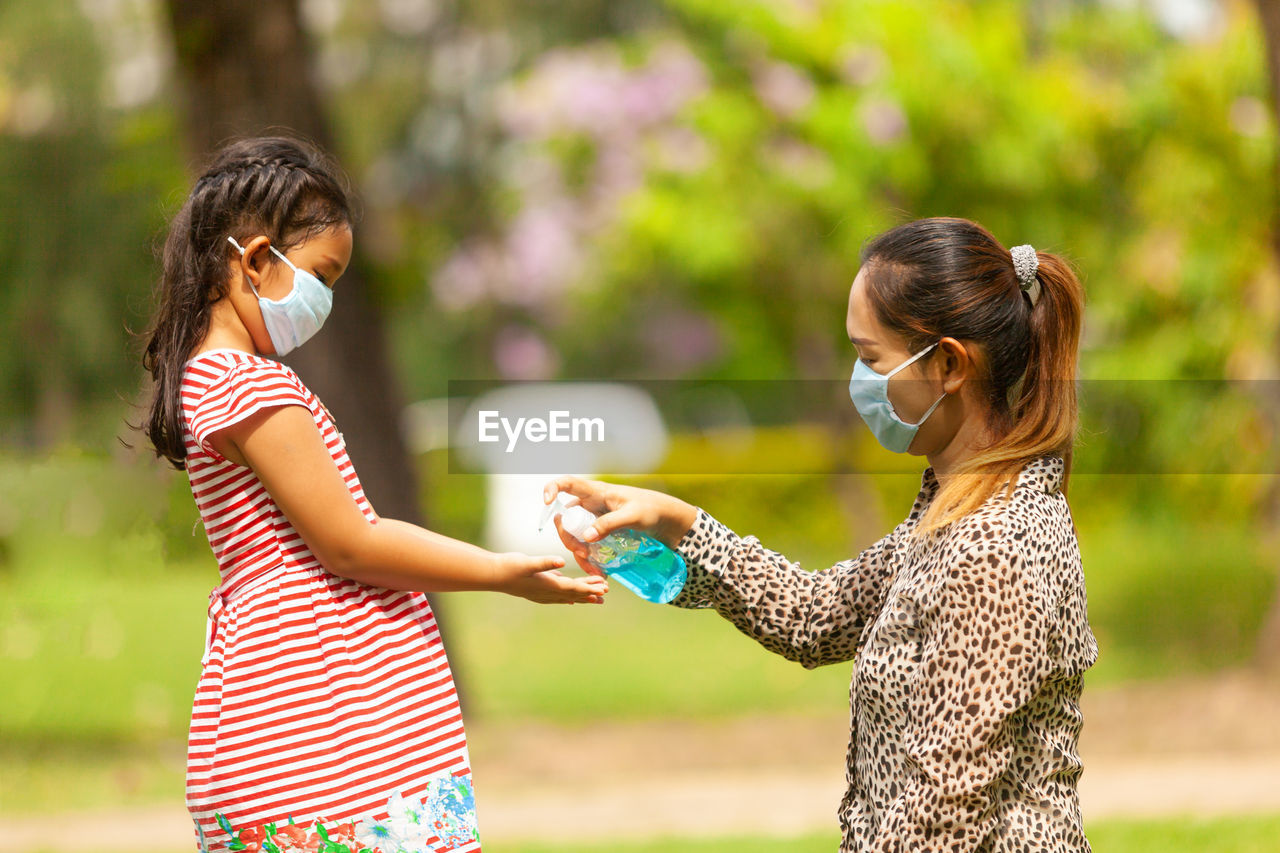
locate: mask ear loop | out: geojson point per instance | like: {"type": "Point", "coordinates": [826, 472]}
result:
{"type": "Point", "coordinates": [283, 258]}
{"type": "Point", "coordinates": [232, 241]}
{"type": "Point", "coordinates": [935, 405]}
{"type": "Point", "coordinates": [911, 360]}
{"type": "Point", "coordinates": [907, 363]}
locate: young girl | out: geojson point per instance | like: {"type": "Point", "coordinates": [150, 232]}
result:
{"type": "Point", "coordinates": [325, 707]}
{"type": "Point", "coordinates": [968, 621]}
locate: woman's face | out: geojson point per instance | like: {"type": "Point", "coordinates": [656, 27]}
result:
{"type": "Point", "coordinates": [912, 390]}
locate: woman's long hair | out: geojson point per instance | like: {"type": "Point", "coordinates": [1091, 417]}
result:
{"type": "Point", "coordinates": [285, 188]}
{"type": "Point", "coordinates": [950, 277]}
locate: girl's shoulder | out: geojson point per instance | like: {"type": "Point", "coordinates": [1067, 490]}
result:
{"type": "Point", "coordinates": [223, 387]}
{"type": "Point", "coordinates": [234, 367]}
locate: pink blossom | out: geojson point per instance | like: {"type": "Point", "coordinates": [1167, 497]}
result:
{"type": "Point", "coordinates": [540, 254]}
{"type": "Point", "coordinates": [464, 279]}
{"type": "Point", "coordinates": [679, 340]}
{"type": "Point", "coordinates": [681, 149]}
{"type": "Point", "coordinates": [883, 120]}
{"type": "Point", "coordinates": [589, 90]}
{"type": "Point", "coordinates": [783, 88]}
{"type": "Point", "coordinates": [801, 162]}
{"type": "Point", "coordinates": [861, 64]}
{"type": "Point", "coordinates": [521, 353]}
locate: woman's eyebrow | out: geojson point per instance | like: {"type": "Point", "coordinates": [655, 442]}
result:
{"type": "Point", "coordinates": [862, 342]}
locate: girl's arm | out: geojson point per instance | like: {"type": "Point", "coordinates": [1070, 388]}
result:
{"type": "Point", "coordinates": [284, 448]}
{"type": "Point", "coordinates": [813, 618]}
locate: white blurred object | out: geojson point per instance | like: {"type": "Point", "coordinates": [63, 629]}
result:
{"type": "Point", "coordinates": [1190, 20]}
{"type": "Point", "coordinates": [632, 439]}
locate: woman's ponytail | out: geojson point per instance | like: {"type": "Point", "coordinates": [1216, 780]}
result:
{"type": "Point", "coordinates": [1045, 413]}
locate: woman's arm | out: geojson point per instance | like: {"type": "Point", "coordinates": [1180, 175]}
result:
{"type": "Point", "coordinates": [285, 449]}
{"type": "Point", "coordinates": [813, 618]}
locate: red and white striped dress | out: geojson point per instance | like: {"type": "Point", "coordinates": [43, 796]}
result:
{"type": "Point", "coordinates": [320, 698]}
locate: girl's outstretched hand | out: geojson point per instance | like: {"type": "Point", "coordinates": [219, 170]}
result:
{"type": "Point", "coordinates": [539, 580]}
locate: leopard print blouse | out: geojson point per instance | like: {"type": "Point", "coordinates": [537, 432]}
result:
{"type": "Point", "coordinates": [970, 645]}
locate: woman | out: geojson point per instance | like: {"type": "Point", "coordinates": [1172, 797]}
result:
{"type": "Point", "coordinates": [968, 621]}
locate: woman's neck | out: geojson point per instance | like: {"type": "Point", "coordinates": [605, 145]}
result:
{"type": "Point", "coordinates": [969, 438]}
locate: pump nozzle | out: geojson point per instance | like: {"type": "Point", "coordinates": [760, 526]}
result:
{"type": "Point", "coordinates": [557, 505]}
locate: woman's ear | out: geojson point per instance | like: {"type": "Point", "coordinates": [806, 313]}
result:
{"type": "Point", "coordinates": [955, 365]}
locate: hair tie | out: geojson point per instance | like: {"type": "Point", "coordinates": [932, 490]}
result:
{"type": "Point", "coordinates": [1025, 265]}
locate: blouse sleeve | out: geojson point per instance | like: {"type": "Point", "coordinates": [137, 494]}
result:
{"type": "Point", "coordinates": [986, 653]}
{"type": "Point", "coordinates": [242, 391]}
{"type": "Point", "coordinates": [813, 618]}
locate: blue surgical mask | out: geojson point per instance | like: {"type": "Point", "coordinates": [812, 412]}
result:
{"type": "Point", "coordinates": [870, 393]}
{"type": "Point", "coordinates": [299, 315]}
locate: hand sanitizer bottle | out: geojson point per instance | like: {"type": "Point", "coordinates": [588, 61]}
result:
{"type": "Point", "coordinates": [636, 560]}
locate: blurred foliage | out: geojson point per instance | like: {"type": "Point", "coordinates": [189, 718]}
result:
{"type": "Point", "coordinates": [679, 189]}
{"type": "Point", "coordinates": [82, 192]}
{"type": "Point", "coordinates": [1081, 128]}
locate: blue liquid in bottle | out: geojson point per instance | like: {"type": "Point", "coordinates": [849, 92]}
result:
{"type": "Point", "coordinates": [636, 560]}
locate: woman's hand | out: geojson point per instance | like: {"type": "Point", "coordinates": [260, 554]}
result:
{"type": "Point", "coordinates": [663, 517]}
{"type": "Point", "coordinates": [538, 579]}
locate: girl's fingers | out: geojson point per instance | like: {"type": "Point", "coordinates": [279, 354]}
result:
{"type": "Point", "coordinates": [591, 587]}
{"type": "Point", "coordinates": [578, 590]}
{"type": "Point", "coordinates": [537, 565]}
{"type": "Point", "coordinates": [590, 584]}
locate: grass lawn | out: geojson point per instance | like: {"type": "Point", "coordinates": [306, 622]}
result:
{"type": "Point", "coordinates": [1221, 835]}
{"type": "Point", "coordinates": [1252, 834]}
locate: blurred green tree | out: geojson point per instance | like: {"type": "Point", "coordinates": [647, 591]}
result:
{"type": "Point", "coordinates": [244, 64]}
{"type": "Point", "coordinates": [78, 191]}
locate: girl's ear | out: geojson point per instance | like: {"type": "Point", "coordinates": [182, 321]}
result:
{"type": "Point", "coordinates": [255, 258]}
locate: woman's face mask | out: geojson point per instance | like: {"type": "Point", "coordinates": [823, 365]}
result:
{"type": "Point", "coordinates": [291, 321]}
{"type": "Point", "coordinates": [870, 394]}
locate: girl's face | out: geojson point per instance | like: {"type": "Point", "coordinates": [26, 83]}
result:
{"type": "Point", "coordinates": [326, 256]}
{"type": "Point", "coordinates": [915, 388]}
